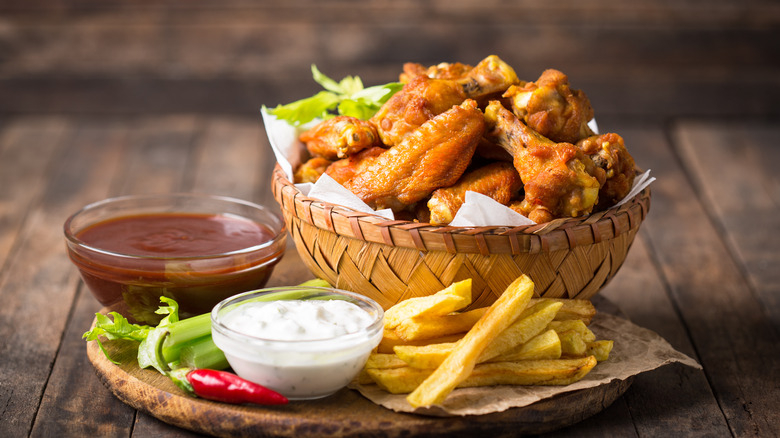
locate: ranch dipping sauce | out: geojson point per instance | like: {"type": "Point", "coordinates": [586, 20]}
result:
{"type": "Point", "coordinates": [301, 348]}
{"type": "Point", "coordinates": [296, 320]}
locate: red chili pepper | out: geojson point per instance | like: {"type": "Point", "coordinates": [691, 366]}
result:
{"type": "Point", "coordinates": [225, 387]}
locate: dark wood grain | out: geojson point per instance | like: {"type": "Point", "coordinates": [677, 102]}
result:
{"type": "Point", "coordinates": [643, 59]}
{"type": "Point", "coordinates": [228, 161]}
{"type": "Point", "coordinates": [157, 156]}
{"type": "Point", "coordinates": [727, 324]}
{"type": "Point", "coordinates": [27, 149]}
{"type": "Point", "coordinates": [82, 173]}
{"type": "Point", "coordinates": [75, 403]}
{"type": "Point", "coordinates": [732, 166]}
{"type": "Point", "coordinates": [36, 263]}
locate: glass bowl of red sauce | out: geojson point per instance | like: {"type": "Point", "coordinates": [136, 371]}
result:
{"type": "Point", "coordinates": [197, 249]}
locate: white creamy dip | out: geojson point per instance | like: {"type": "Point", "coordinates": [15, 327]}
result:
{"type": "Point", "coordinates": [296, 320]}
{"type": "Point", "coordinates": [301, 348]}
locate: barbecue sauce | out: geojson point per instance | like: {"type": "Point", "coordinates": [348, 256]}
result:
{"type": "Point", "coordinates": [196, 259]}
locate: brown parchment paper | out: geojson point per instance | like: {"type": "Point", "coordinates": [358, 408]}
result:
{"type": "Point", "coordinates": [636, 350]}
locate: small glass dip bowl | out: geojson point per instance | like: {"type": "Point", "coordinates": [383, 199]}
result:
{"type": "Point", "coordinates": [197, 249]}
{"type": "Point", "coordinates": [299, 369]}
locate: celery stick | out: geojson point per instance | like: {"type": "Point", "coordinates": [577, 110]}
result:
{"type": "Point", "coordinates": [315, 282]}
{"type": "Point", "coordinates": [203, 353]}
{"type": "Point", "coordinates": [149, 354]}
{"type": "Point", "coordinates": [182, 332]}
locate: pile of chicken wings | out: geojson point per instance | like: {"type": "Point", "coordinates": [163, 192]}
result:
{"type": "Point", "coordinates": [455, 128]}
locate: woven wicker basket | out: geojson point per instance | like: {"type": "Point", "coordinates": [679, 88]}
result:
{"type": "Point", "coordinates": [390, 261]}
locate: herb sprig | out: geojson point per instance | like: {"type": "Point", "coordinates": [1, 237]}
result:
{"type": "Point", "coordinates": [347, 97]}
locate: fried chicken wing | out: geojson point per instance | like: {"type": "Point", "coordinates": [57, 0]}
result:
{"type": "Point", "coordinates": [345, 169]}
{"type": "Point", "coordinates": [443, 70]}
{"type": "Point", "coordinates": [339, 136]}
{"type": "Point", "coordinates": [489, 151]}
{"type": "Point", "coordinates": [428, 92]}
{"type": "Point", "coordinates": [550, 107]}
{"type": "Point", "coordinates": [433, 156]}
{"type": "Point", "coordinates": [608, 151]}
{"type": "Point", "coordinates": [499, 181]}
{"type": "Point", "coordinates": [311, 170]}
{"type": "Point", "coordinates": [558, 178]}
{"type": "Point", "coordinates": [412, 154]}
{"type": "Point", "coordinates": [490, 76]}
{"type": "Point", "coordinates": [419, 100]}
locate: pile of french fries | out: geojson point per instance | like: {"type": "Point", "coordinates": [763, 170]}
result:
{"type": "Point", "coordinates": [429, 347]}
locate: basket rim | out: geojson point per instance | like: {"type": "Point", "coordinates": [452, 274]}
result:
{"type": "Point", "coordinates": [558, 234]}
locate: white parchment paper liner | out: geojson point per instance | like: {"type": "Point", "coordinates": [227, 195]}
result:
{"type": "Point", "coordinates": [477, 210]}
{"type": "Point", "coordinates": [636, 350]}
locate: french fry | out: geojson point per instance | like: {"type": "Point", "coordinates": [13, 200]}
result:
{"type": "Point", "coordinates": [531, 372]}
{"type": "Point", "coordinates": [431, 327]}
{"type": "Point", "coordinates": [573, 324]}
{"type": "Point", "coordinates": [572, 344]}
{"type": "Point", "coordinates": [428, 327]}
{"type": "Point", "coordinates": [544, 346]}
{"type": "Point", "coordinates": [527, 372]}
{"type": "Point", "coordinates": [383, 361]}
{"type": "Point", "coordinates": [516, 341]}
{"type": "Point", "coordinates": [532, 322]}
{"type": "Point", "coordinates": [600, 349]}
{"type": "Point", "coordinates": [572, 309]}
{"type": "Point", "coordinates": [450, 299]}
{"type": "Point", "coordinates": [459, 364]}
{"type": "Point", "coordinates": [390, 340]}
{"type": "Point", "coordinates": [424, 356]}
{"type": "Point", "coordinates": [378, 361]}
{"type": "Point", "coordinates": [399, 380]}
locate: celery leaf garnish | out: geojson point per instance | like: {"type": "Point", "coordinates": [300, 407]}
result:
{"type": "Point", "coordinates": [347, 97]}
{"type": "Point", "coordinates": [117, 328]}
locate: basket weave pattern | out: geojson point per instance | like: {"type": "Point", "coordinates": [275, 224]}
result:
{"type": "Point", "coordinates": [390, 261]}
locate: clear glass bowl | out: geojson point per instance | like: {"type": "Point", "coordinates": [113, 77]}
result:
{"type": "Point", "coordinates": [298, 369]}
{"type": "Point", "coordinates": [131, 282]}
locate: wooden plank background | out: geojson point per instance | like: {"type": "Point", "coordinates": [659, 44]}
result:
{"type": "Point", "coordinates": [640, 59]}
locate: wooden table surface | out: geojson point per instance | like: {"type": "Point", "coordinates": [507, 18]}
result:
{"type": "Point", "coordinates": [703, 272]}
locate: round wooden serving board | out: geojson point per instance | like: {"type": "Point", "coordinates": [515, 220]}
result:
{"type": "Point", "coordinates": [343, 414]}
